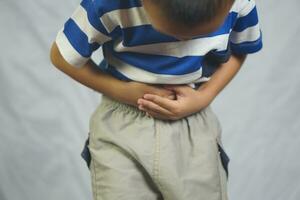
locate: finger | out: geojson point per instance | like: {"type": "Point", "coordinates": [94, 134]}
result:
{"type": "Point", "coordinates": [162, 102]}
{"type": "Point", "coordinates": [153, 107]}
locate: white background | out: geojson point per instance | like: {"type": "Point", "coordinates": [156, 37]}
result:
{"type": "Point", "coordinates": [44, 114]}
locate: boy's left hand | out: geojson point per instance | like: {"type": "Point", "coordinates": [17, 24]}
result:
{"type": "Point", "coordinates": [187, 102]}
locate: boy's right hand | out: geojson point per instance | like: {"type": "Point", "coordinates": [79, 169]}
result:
{"type": "Point", "coordinates": [132, 91]}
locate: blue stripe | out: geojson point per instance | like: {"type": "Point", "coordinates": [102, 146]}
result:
{"type": "Point", "coordinates": [208, 69]}
{"type": "Point", "coordinates": [144, 34]}
{"type": "Point", "coordinates": [161, 64]}
{"type": "Point", "coordinates": [79, 39]}
{"type": "Point", "coordinates": [247, 21]}
{"type": "Point", "coordinates": [104, 6]}
{"type": "Point", "coordinates": [93, 18]}
{"type": "Point", "coordinates": [107, 68]}
{"type": "Point", "coordinates": [247, 47]}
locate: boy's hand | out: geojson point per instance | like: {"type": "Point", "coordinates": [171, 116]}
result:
{"type": "Point", "coordinates": [187, 102]}
{"type": "Point", "coordinates": [132, 91]}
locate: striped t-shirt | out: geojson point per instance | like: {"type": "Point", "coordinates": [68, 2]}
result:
{"type": "Point", "coordinates": [134, 50]}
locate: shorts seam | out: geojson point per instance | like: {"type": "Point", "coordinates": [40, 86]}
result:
{"type": "Point", "coordinates": [95, 180]}
{"type": "Point", "coordinates": [156, 162]}
{"type": "Point", "coordinates": [220, 175]}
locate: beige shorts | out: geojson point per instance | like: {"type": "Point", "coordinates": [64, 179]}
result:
{"type": "Point", "coordinates": [136, 157]}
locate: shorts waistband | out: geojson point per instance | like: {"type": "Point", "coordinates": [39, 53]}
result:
{"type": "Point", "coordinates": [107, 101]}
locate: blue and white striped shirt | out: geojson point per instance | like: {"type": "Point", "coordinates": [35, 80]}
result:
{"type": "Point", "coordinates": [134, 50]}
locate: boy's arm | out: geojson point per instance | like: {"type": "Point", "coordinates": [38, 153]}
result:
{"type": "Point", "coordinates": [90, 76]}
{"type": "Point", "coordinates": [223, 75]}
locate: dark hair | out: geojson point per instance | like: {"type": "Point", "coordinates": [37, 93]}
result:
{"type": "Point", "coordinates": [191, 12]}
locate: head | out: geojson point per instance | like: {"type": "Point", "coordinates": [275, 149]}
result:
{"type": "Point", "coordinates": [185, 19]}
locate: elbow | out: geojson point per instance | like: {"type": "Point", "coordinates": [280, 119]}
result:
{"type": "Point", "coordinates": [60, 63]}
{"type": "Point", "coordinates": [55, 56]}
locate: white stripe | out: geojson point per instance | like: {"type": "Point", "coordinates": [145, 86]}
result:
{"type": "Point", "coordinates": [243, 7]}
{"type": "Point", "coordinates": [81, 19]}
{"type": "Point", "coordinates": [246, 7]}
{"type": "Point", "coordinates": [236, 6]}
{"type": "Point", "coordinates": [195, 47]}
{"type": "Point", "coordinates": [248, 35]}
{"type": "Point", "coordinates": [141, 75]}
{"type": "Point", "coordinates": [68, 52]}
{"type": "Point", "coordinates": [124, 18]}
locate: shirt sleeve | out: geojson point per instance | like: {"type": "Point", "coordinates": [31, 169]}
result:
{"type": "Point", "coordinates": [246, 35]}
{"type": "Point", "coordinates": [82, 34]}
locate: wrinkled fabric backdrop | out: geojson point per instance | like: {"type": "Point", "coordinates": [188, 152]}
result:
{"type": "Point", "coordinates": [44, 114]}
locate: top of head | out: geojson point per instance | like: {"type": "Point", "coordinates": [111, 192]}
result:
{"type": "Point", "coordinates": [185, 19]}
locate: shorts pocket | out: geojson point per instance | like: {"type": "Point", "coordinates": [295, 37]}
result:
{"type": "Point", "coordinates": [85, 153]}
{"type": "Point", "coordinates": [207, 181]}
{"type": "Point", "coordinates": [224, 158]}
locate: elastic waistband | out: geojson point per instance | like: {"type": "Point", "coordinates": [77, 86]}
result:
{"type": "Point", "coordinates": [107, 101]}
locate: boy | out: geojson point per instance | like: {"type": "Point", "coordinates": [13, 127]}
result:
{"type": "Point", "coordinates": [167, 59]}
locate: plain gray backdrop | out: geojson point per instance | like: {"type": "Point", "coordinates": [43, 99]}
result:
{"type": "Point", "coordinates": [44, 114]}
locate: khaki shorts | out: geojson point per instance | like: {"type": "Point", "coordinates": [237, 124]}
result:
{"type": "Point", "coordinates": [135, 157]}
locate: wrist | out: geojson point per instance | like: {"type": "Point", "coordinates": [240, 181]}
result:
{"type": "Point", "coordinates": [120, 91]}
{"type": "Point", "coordinates": [205, 95]}
{"type": "Point", "coordinates": [115, 89]}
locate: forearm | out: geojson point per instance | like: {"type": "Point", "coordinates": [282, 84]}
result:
{"type": "Point", "coordinates": [222, 76]}
{"type": "Point", "coordinates": [88, 75]}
